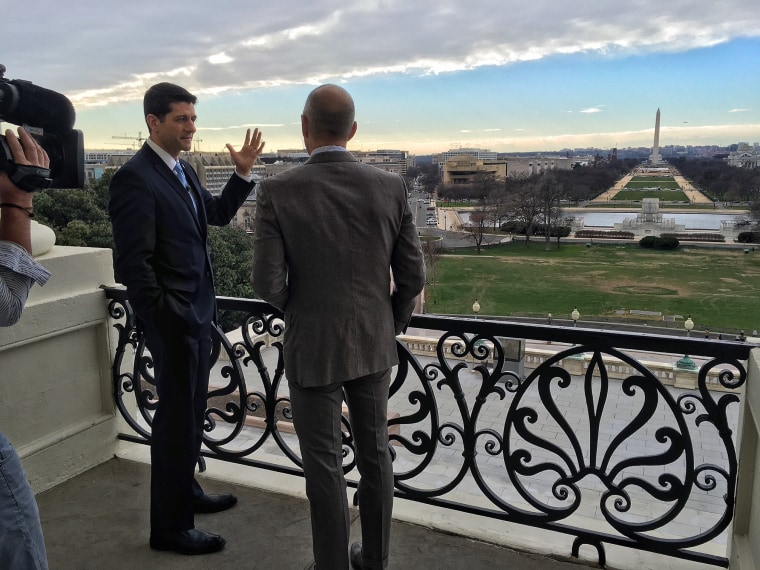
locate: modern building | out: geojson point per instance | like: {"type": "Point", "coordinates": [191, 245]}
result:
{"type": "Point", "coordinates": [477, 153]}
{"type": "Point", "coordinates": [396, 161]}
{"type": "Point", "coordinates": [529, 166]}
{"type": "Point", "coordinates": [465, 169]}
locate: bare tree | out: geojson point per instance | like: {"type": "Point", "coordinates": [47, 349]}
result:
{"type": "Point", "coordinates": [476, 227]}
{"type": "Point", "coordinates": [496, 203]}
{"type": "Point", "coordinates": [431, 250]}
{"type": "Point", "coordinates": [524, 203]}
{"type": "Point", "coordinates": [754, 208]}
{"type": "Point", "coordinates": [550, 193]}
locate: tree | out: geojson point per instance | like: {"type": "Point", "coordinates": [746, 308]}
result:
{"type": "Point", "coordinates": [549, 195]}
{"type": "Point", "coordinates": [476, 226]}
{"type": "Point", "coordinates": [754, 209]}
{"type": "Point", "coordinates": [430, 177]}
{"type": "Point", "coordinates": [431, 250]}
{"type": "Point", "coordinates": [523, 203]}
{"type": "Point", "coordinates": [76, 217]}
{"type": "Point", "coordinates": [231, 256]}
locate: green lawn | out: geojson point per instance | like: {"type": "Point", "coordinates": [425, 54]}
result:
{"type": "Point", "coordinates": [646, 182]}
{"type": "Point", "coordinates": [720, 289]}
{"type": "Point", "coordinates": [663, 195]}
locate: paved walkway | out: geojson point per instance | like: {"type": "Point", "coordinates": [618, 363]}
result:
{"type": "Point", "coordinates": [612, 192]}
{"type": "Point", "coordinates": [694, 195]}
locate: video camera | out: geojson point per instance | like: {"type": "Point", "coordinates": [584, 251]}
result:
{"type": "Point", "coordinates": [49, 117]}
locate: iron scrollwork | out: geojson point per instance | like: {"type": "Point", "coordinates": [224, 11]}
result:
{"type": "Point", "coordinates": [552, 449]}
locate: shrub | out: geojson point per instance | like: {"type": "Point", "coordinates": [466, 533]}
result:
{"type": "Point", "coordinates": [704, 236]}
{"type": "Point", "coordinates": [662, 242]}
{"type": "Point", "coordinates": [748, 237]}
{"type": "Point", "coordinates": [609, 234]}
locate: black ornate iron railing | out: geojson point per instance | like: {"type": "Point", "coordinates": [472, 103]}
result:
{"type": "Point", "coordinates": [654, 468]}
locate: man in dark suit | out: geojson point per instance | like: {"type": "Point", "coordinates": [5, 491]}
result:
{"type": "Point", "coordinates": [327, 236]}
{"type": "Point", "coordinates": [160, 215]}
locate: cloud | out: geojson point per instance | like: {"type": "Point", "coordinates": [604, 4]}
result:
{"type": "Point", "coordinates": [591, 110]}
{"type": "Point", "coordinates": [219, 58]}
{"type": "Point", "coordinates": [739, 110]}
{"type": "Point", "coordinates": [100, 59]}
{"type": "Point", "coordinates": [237, 127]}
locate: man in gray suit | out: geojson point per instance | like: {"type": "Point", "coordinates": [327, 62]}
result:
{"type": "Point", "coordinates": [335, 249]}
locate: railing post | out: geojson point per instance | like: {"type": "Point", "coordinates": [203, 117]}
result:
{"type": "Point", "coordinates": [744, 545]}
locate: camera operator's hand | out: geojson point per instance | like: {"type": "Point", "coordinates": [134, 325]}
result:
{"type": "Point", "coordinates": [25, 151]}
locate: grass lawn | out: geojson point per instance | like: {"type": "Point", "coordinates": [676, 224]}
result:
{"type": "Point", "coordinates": [663, 195]}
{"type": "Point", "coordinates": [645, 182]}
{"type": "Point", "coordinates": [720, 289]}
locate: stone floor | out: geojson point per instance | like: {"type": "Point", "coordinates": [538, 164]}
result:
{"type": "Point", "coordinates": [99, 520]}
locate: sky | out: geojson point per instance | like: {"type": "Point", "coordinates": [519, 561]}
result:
{"type": "Point", "coordinates": [426, 75]}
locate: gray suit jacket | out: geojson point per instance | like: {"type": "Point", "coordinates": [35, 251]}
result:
{"type": "Point", "coordinates": [326, 236]}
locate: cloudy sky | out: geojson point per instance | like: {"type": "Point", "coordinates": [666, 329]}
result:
{"type": "Point", "coordinates": [426, 75]}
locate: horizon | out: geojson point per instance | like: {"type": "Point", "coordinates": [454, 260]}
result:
{"type": "Point", "coordinates": [350, 148]}
{"type": "Point", "coordinates": [425, 76]}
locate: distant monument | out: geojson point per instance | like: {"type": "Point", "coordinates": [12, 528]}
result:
{"type": "Point", "coordinates": [655, 158]}
{"type": "Point", "coordinates": [650, 221]}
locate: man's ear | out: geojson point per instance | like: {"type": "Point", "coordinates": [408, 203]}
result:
{"type": "Point", "coordinates": [353, 131]}
{"type": "Point", "coordinates": [151, 120]}
{"type": "Point", "coordinates": [304, 127]}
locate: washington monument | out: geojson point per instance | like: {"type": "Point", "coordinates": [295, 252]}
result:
{"type": "Point", "coordinates": [655, 158]}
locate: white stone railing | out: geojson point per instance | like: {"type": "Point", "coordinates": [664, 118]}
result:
{"type": "Point", "coordinates": [744, 533]}
{"type": "Point", "coordinates": [56, 403]}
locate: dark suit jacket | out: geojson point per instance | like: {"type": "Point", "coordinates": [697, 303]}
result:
{"type": "Point", "coordinates": [162, 251]}
{"type": "Point", "coordinates": [326, 236]}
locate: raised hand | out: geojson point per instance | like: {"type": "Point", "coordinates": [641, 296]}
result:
{"type": "Point", "coordinates": [245, 158]}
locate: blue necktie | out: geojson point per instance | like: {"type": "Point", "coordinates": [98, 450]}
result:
{"type": "Point", "coordinates": [181, 175]}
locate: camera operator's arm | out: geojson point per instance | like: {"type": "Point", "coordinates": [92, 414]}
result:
{"type": "Point", "coordinates": [18, 270]}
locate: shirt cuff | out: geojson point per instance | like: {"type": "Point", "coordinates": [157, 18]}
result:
{"type": "Point", "coordinates": [17, 259]}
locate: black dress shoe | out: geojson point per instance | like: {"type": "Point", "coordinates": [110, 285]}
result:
{"type": "Point", "coordinates": [193, 541]}
{"type": "Point", "coordinates": [213, 503]}
{"type": "Point", "coordinates": [357, 561]}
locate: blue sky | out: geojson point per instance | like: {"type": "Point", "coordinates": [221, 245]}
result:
{"type": "Point", "coordinates": [426, 76]}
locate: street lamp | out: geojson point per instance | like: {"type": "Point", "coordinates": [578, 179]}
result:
{"type": "Point", "coordinates": [476, 308]}
{"type": "Point", "coordinates": [575, 315]}
{"type": "Point", "coordinates": [687, 363]}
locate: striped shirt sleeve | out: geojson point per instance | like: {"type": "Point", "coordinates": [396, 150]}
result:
{"type": "Point", "coordinates": [18, 272]}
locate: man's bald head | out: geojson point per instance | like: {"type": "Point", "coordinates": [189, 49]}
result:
{"type": "Point", "coordinates": [329, 114]}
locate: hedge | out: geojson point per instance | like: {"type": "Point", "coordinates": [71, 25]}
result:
{"type": "Point", "coordinates": [748, 237]}
{"type": "Point", "coordinates": [662, 242]}
{"type": "Point", "coordinates": [696, 236]}
{"type": "Point", "coordinates": [610, 234]}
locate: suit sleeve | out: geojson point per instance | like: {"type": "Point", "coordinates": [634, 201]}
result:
{"type": "Point", "coordinates": [269, 277]}
{"type": "Point", "coordinates": [221, 209]}
{"type": "Point", "coordinates": [408, 269]}
{"type": "Point", "coordinates": [131, 207]}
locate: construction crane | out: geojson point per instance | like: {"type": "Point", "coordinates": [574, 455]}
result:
{"type": "Point", "coordinates": [139, 138]}
{"type": "Point", "coordinates": [197, 144]}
